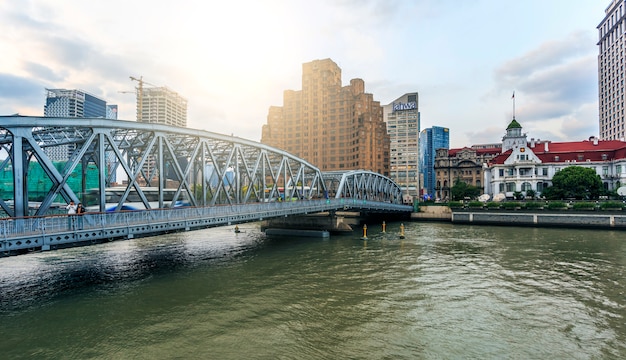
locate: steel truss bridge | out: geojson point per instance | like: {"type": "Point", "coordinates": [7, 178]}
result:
{"type": "Point", "coordinates": [220, 179]}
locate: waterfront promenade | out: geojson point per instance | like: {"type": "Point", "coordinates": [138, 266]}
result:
{"type": "Point", "coordinates": [600, 219]}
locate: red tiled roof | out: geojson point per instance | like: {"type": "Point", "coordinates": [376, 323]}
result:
{"type": "Point", "coordinates": [499, 159]}
{"type": "Point", "coordinates": [573, 151]}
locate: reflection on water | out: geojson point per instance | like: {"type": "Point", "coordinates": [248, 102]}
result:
{"type": "Point", "coordinates": [442, 292]}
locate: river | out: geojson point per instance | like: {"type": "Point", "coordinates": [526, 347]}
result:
{"type": "Point", "coordinates": [444, 291]}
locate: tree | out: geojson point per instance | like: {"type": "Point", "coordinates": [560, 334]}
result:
{"type": "Point", "coordinates": [575, 182]}
{"type": "Point", "coordinates": [461, 190]}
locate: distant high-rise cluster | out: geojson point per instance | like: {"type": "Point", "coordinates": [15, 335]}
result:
{"type": "Point", "coordinates": [334, 127]}
{"type": "Point", "coordinates": [612, 40]}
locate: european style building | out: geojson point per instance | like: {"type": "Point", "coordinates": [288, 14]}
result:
{"type": "Point", "coordinates": [526, 165]}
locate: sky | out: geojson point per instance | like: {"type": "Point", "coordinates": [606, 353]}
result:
{"type": "Point", "coordinates": [232, 60]}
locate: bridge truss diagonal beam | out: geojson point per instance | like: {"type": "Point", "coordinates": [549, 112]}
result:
{"type": "Point", "coordinates": [204, 168]}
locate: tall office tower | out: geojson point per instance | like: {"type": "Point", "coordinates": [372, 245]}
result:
{"type": "Point", "coordinates": [431, 140]}
{"type": "Point", "coordinates": [333, 127]}
{"type": "Point", "coordinates": [161, 105]}
{"type": "Point", "coordinates": [73, 103]}
{"type": "Point", "coordinates": [403, 126]}
{"type": "Point", "coordinates": [612, 41]}
{"type": "Point", "coordinates": [76, 104]}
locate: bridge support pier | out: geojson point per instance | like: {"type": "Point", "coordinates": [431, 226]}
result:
{"type": "Point", "coordinates": [330, 222]}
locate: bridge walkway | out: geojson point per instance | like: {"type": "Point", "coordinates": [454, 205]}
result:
{"type": "Point", "coordinates": [50, 232]}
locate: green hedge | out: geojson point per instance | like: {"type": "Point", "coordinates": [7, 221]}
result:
{"type": "Point", "coordinates": [611, 205]}
{"type": "Point", "coordinates": [511, 205]}
{"type": "Point", "coordinates": [557, 205]}
{"type": "Point", "coordinates": [476, 204]}
{"type": "Point", "coordinates": [533, 205]}
{"type": "Point", "coordinates": [585, 205]}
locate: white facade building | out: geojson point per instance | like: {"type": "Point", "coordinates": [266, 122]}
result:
{"type": "Point", "coordinates": [530, 165]}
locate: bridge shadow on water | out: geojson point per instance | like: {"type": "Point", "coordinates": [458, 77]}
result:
{"type": "Point", "coordinates": [38, 279]}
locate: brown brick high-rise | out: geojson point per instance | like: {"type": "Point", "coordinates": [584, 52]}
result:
{"type": "Point", "coordinates": [331, 126]}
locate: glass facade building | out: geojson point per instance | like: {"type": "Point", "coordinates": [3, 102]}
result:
{"type": "Point", "coordinates": [74, 104]}
{"type": "Point", "coordinates": [431, 139]}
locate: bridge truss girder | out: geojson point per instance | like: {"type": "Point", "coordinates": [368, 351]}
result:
{"type": "Point", "coordinates": [205, 168]}
{"type": "Point", "coordinates": [362, 185]}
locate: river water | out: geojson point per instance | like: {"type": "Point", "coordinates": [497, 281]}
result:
{"type": "Point", "coordinates": [444, 291]}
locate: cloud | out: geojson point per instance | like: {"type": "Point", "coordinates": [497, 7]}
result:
{"type": "Point", "coordinates": [16, 92]}
{"type": "Point", "coordinates": [486, 135]}
{"type": "Point", "coordinates": [549, 54]}
{"type": "Point", "coordinates": [555, 88]}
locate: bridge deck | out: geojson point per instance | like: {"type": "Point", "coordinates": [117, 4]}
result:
{"type": "Point", "coordinates": [45, 233]}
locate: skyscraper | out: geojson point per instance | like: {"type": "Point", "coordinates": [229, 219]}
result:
{"type": "Point", "coordinates": [431, 140]}
{"type": "Point", "coordinates": [161, 105]}
{"type": "Point", "coordinates": [334, 127]}
{"type": "Point", "coordinates": [611, 44]}
{"type": "Point", "coordinates": [403, 126]}
{"type": "Point", "coordinates": [73, 104]}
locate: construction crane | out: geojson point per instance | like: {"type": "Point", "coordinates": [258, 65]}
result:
{"type": "Point", "coordinates": [141, 82]}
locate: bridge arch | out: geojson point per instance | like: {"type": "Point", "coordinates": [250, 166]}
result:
{"type": "Point", "coordinates": [362, 184]}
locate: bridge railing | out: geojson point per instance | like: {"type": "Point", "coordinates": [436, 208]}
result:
{"type": "Point", "coordinates": [11, 228]}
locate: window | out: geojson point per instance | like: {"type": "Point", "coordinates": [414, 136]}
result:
{"type": "Point", "coordinates": [501, 172]}
{"type": "Point", "coordinates": [510, 186]}
{"type": "Point", "coordinates": [618, 169]}
{"type": "Point", "coordinates": [526, 186]}
{"type": "Point", "coordinates": [539, 186]}
{"type": "Point", "coordinates": [605, 170]}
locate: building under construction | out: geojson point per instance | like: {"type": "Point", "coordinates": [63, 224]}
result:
{"type": "Point", "coordinates": [160, 105]}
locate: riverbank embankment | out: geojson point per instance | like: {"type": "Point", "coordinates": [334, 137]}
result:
{"type": "Point", "coordinates": [599, 219]}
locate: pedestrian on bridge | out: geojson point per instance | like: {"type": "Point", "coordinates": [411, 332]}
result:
{"type": "Point", "coordinates": [80, 211]}
{"type": "Point", "coordinates": [71, 214]}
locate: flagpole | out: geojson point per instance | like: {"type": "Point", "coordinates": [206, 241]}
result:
{"type": "Point", "coordinates": [513, 97]}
